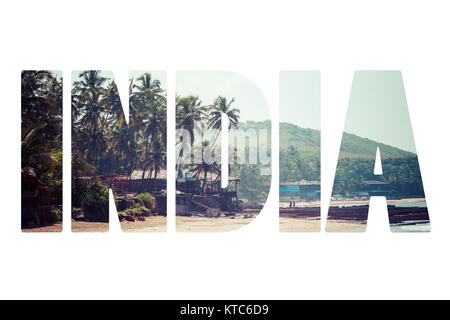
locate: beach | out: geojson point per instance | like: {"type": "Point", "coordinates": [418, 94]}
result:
{"type": "Point", "coordinates": [313, 225]}
{"type": "Point", "coordinates": [351, 202]}
{"type": "Point", "coordinates": [152, 224]}
{"type": "Point", "coordinates": [225, 224]}
{"type": "Point", "coordinates": [201, 224]}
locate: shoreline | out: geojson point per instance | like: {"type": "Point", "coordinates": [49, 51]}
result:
{"type": "Point", "coordinates": [345, 218]}
{"type": "Point", "coordinates": [349, 202]}
{"type": "Point", "coordinates": [201, 225]}
{"type": "Point", "coordinates": [288, 224]}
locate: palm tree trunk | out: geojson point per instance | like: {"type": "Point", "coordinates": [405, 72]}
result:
{"type": "Point", "coordinates": [154, 180]}
{"type": "Point", "coordinates": [117, 163]}
{"type": "Point", "coordinates": [144, 167]}
{"type": "Point", "coordinates": [204, 181]}
{"type": "Point", "coordinates": [178, 163]}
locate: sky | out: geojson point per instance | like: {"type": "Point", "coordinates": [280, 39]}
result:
{"type": "Point", "coordinates": [300, 98]}
{"type": "Point", "coordinates": [378, 109]}
{"type": "Point", "coordinates": [207, 85]}
{"type": "Point", "coordinates": [160, 75]}
{"type": "Point", "coordinates": [57, 73]}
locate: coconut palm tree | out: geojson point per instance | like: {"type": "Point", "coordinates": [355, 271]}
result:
{"type": "Point", "coordinates": [189, 112]}
{"type": "Point", "coordinates": [204, 167]}
{"type": "Point", "coordinates": [41, 129]}
{"type": "Point", "coordinates": [221, 105]}
{"type": "Point", "coordinates": [91, 108]}
{"type": "Point", "coordinates": [150, 108]}
{"type": "Point", "coordinates": [159, 156]}
{"type": "Point", "coordinates": [120, 138]}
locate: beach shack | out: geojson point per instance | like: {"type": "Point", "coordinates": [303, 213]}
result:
{"type": "Point", "coordinates": [378, 188]}
{"type": "Point", "coordinates": [300, 190]}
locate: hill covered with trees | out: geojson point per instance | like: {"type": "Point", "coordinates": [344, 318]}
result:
{"type": "Point", "coordinates": [300, 159]}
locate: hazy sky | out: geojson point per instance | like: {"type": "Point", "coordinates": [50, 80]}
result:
{"type": "Point", "coordinates": [160, 75]}
{"type": "Point", "coordinates": [300, 98]}
{"type": "Point", "coordinates": [377, 106]}
{"type": "Point", "coordinates": [207, 85]}
{"type": "Point", "coordinates": [378, 109]}
{"type": "Point", "coordinates": [57, 73]}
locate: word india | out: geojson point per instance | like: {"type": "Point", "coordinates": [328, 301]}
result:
{"type": "Point", "coordinates": [222, 154]}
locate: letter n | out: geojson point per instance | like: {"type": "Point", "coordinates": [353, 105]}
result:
{"type": "Point", "coordinates": [109, 153]}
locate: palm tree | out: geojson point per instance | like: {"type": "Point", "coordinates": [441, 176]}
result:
{"type": "Point", "coordinates": [150, 108]}
{"type": "Point", "coordinates": [204, 167]}
{"type": "Point", "coordinates": [90, 106]}
{"type": "Point", "coordinates": [221, 105]}
{"type": "Point", "coordinates": [189, 111]}
{"type": "Point", "coordinates": [120, 138]}
{"type": "Point", "coordinates": [115, 107]}
{"type": "Point", "coordinates": [41, 129]}
{"type": "Point", "coordinates": [159, 156]}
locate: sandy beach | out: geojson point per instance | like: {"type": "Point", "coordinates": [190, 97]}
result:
{"type": "Point", "coordinates": [53, 228]}
{"type": "Point", "coordinates": [353, 202]}
{"type": "Point", "coordinates": [201, 224]}
{"type": "Point", "coordinates": [153, 224]}
{"type": "Point", "coordinates": [299, 225]}
{"type": "Point", "coordinates": [313, 225]}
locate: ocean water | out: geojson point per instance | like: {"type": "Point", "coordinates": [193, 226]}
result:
{"type": "Point", "coordinates": [405, 203]}
{"type": "Point", "coordinates": [411, 226]}
{"type": "Point", "coordinates": [397, 203]}
{"type": "Point", "coordinates": [407, 226]}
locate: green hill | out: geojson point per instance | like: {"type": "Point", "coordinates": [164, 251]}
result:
{"type": "Point", "coordinates": [308, 141]}
{"type": "Point", "coordinates": [352, 146]}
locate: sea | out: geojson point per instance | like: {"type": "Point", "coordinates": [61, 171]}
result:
{"type": "Point", "coordinates": [407, 226]}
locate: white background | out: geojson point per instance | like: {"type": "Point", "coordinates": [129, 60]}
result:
{"type": "Point", "coordinates": [256, 39]}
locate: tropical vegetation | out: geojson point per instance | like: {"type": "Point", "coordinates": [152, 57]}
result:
{"type": "Point", "coordinates": [103, 142]}
{"type": "Point", "coordinates": [41, 137]}
{"type": "Point", "coordinates": [300, 160]}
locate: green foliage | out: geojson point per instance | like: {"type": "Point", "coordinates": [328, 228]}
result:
{"type": "Point", "coordinates": [136, 212]}
{"type": "Point", "coordinates": [251, 186]}
{"type": "Point", "coordinates": [294, 166]}
{"type": "Point", "coordinates": [80, 168]}
{"type": "Point", "coordinates": [352, 146]}
{"type": "Point", "coordinates": [146, 199]}
{"type": "Point", "coordinates": [101, 139]}
{"type": "Point", "coordinates": [402, 175]}
{"type": "Point", "coordinates": [54, 216]}
{"type": "Point", "coordinates": [95, 202]}
{"type": "Point", "coordinates": [300, 160]}
{"type": "Point", "coordinates": [79, 189]}
{"type": "Point", "coordinates": [41, 130]}
{"type": "Point", "coordinates": [307, 140]}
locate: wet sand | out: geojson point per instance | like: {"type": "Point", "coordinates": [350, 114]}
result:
{"type": "Point", "coordinates": [202, 224]}
{"type": "Point", "coordinates": [57, 227]}
{"type": "Point", "coordinates": [152, 224]}
{"type": "Point", "coordinates": [83, 226]}
{"type": "Point", "coordinates": [313, 225]}
{"type": "Point", "coordinates": [315, 203]}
